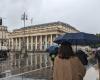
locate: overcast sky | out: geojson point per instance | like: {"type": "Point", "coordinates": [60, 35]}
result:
{"type": "Point", "coordinates": [82, 14]}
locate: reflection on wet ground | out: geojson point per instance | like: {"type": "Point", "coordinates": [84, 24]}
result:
{"type": "Point", "coordinates": [92, 73]}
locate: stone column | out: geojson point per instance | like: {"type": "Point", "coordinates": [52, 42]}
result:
{"type": "Point", "coordinates": [31, 43]}
{"type": "Point", "coordinates": [45, 41]}
{"type": "Point", "coordinates": [51, 40]}
{"type": "Point", "coordinates": [19, 44]}
{"type": "Point", "coordinates": [41, 42]}
{"type": "Point", "coordinates": [36, 43]}
{"type": "Point", "coordinates": [16, 44]}
{"type": "Point", "coordinates": [9, 44]}
{"type": "Point", "coordinates": [27, 43]}
{"type": "Point", "coordinates": [12, 43]}
{"type": "Point", "coordinates": [54, 37]}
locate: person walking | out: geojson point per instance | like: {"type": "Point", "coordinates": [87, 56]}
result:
{"type": "Point", "coordinates": [67, 65]}
{"type": "Point", "coordinates": [82, 56]}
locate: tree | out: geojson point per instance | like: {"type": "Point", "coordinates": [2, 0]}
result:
{"type": "Point", "coordinates": [98, 35]}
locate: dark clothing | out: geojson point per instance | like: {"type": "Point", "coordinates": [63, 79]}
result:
{"type": "Point", "coordinates": [53, 54]}
{"type": "Point", "coordinates": [97, 55]}
{"type": "Point", "coordinates": [82, 56]}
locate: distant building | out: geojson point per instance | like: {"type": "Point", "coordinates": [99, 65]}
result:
{"type": "Point", "coordinates": [38, 37]}
{"type": "Point", "coordinates": [3, 37]}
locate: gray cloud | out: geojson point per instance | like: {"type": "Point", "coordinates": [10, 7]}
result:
{"type": "Point", "coordinates": [83, 14]}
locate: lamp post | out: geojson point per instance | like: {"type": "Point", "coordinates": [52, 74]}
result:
{"type": "Point", "coordinates": [1, 31]}
{"type": "Point", "coordinates": [3, 46]}
{"type": "Point", "coordinates": [24, 52]}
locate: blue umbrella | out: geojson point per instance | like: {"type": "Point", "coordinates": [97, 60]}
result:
{"type": "Point", "coordinates": [52, 49]}
{"type": "Point", "coordinates": [80, 38]}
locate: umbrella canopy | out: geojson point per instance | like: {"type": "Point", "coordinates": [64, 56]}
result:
{"type": "Point", "coordinates": [80, 38]}
{"type": "Point", "coordinates": [53, 49]}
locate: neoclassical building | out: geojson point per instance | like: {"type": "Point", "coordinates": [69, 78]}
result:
{"type": "Point", "coordinates": [38, 37]}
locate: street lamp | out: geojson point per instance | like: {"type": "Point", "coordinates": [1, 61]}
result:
{"type": "Point", "coordinates": [3, 46]}
{"type": "Point", "coordinates": [24, 52]}
{"type": "Point", "coordinates": [2, 31]}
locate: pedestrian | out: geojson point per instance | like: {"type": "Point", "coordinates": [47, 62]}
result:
{"type": "Point", "coordinates": [52, 50]}
{"type": "Point", "coordinates": [97, 55]}
{"type": "Point", "coordinates": [82, 56]}
{"type": "Point", "coordinates": [52, 56]}
{"type": "Point", "coordinates": [67, 66]}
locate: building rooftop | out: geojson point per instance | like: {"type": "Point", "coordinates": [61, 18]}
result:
{"type": "Point", "coordinates": [46, 25]}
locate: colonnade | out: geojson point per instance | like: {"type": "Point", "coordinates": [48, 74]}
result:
{"type": "Point", "coordinates": [40, 42]}
{"type": "Point", "coordinates": [35, 60]}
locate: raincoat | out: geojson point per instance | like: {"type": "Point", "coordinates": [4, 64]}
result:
{"type": "Point", "coordinates": [68, 69]}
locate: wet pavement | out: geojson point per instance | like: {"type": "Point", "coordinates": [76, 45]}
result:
{"type": "Point", "coordinates": [92, 73]}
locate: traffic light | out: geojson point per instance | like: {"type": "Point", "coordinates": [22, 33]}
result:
{"type": "Point", "coordinates": [0, 21]}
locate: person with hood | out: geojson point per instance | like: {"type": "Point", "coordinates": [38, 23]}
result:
{"type": "Point", "coordinates": [67, 65]}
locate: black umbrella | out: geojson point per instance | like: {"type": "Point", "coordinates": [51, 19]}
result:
{"type": "Point", "coordinates": [79, 38]}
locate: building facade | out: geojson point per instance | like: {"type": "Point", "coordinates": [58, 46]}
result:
{"type": "Point", "coordinates": [38, 37]}
{"type": "Point", "coordinates": [3, 36]}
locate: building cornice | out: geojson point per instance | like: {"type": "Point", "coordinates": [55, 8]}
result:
{"type": "Point", "coordinates": [58, 23]}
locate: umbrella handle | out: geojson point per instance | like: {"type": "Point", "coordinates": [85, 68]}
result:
{"type": "Point", "coordinates": [76, 45]}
